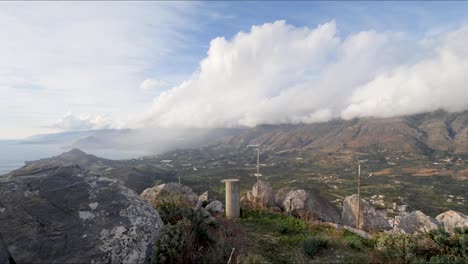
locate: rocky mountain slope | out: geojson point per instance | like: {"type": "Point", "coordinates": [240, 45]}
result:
{"type": "Point", "coordinates": [76, 156]}
{"type": "Point", "coordinates": [423, 134]}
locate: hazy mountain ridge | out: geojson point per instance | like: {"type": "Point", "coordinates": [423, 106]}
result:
{"type": "Point", "coordinates": [422, 133]}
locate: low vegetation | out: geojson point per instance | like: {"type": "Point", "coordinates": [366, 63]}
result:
{"type": "Point", "coordinates": [435, 247]}
{"type": "Point", "coordinates": [278, 238]}
{"type": "Point", "coordinates": [192, 235]}
{"type": "Point", "coordinates": [312, 245]}
{"type": "Point", "coordinates": [260, 236]}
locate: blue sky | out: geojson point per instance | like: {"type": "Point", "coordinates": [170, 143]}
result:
{"type": "Point", "coordinates": [91, 65]}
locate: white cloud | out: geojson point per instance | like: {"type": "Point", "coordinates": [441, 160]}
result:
{"type": "Point", "coordinates": [83, 122]}
{"type": "Point", "coordinates": [437, 82]}
{"type": "Point", "coordinates": [153, 85]}
{"type": "Point", "coordinates": [83, 57]}
{"type": "Point", "coordinates": [278, 73]}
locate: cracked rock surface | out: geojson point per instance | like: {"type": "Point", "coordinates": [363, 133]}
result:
{"type": "Point", "coordinates": [57, 212]}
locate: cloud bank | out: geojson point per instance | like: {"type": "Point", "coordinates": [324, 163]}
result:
{"type": "Point", "coordinates": [278, 73]}
{"type": "Point", "coordinates": [83, 122]}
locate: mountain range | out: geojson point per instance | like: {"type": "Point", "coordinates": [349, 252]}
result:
{"type": "Point", "coordinates": [422, 134]}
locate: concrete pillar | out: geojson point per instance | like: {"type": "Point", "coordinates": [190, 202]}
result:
{"type": "Point", "coordinates": [232, 198]}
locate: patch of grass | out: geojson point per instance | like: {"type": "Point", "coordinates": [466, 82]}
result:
{"type": "Point", "coordinates": [356, 242]}
{"type": "Point", "coordinates": [280, 238]}
{"type": "Point", "coordinates": [314, 244]}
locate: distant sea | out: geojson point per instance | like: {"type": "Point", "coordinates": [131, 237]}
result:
{"type": "Point", "coordinates": [13, 153]}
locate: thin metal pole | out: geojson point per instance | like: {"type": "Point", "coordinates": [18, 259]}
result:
{"type": "Point", "coordinates": [257, 198]}
{"type": "Point", "coordinates": [358, 224]}
{"type": "Point", "coordinates": [258, 161]}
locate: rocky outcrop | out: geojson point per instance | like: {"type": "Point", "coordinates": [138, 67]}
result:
{"type": "Point", "coordinates": [306, 204]}
{"type": "Point", "coordinates": [215, 207]}
{"type": "Point", "coordinates": [203, 198]}
{"type": "Point", "coordinates": [151, 194]}
{"type": "Point", "coordinates": [281, 195]}
{"type": "Point", "coordinates": [452, 219]}
{"type": "Point", "coordinates": [56, 212]}
{"type": "Point", "coordinates": [322, 208]}
{"type": "Point", "coordinates": [370, 219]}
{"type": "Point", "coordinates": [262, 194]}
{"type": "Point", "coordinates": [415, 223]}
{"type": "Point", "coordinates": [295, 202]}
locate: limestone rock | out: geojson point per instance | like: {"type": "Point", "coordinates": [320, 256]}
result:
{"type": "Point", "coordinates": [415, 223]}
{"type": "Point", "coordinates": [202, 198]}
{"type": "Point", "coordinates": [370, 219]}
{"type": "Point", "coordinates": [58, 213]}
{"type": "Point", "coordinates": [281, 195]}
{"type": "Point", "coordinates": [310, 204]}
{"type": "Point", "coordinates": [172, 187]}
{"type": "Point", "coordinates": [452, 219]}
{"type": "Point", "coordinates": [295, 201]}
{"type": "Point", "coordinates": [358, 232]}
{"type": "Point", "coordinates": [207, 219]}
{"type": "Point", "coordinates": [321, 208]}
{"type": "Point", "coordinates": [215, 207]}
{"type": "Point", "coordinates": [263, 194]}
{"type": "Point", "coordinates": [250, 197]}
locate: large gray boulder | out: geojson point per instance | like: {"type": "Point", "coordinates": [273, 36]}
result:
{"type": "Point", "coordinates": [215, 207]}
{"type": "Point", "coordinates": [151, 194]}
{"type": "Point", "coordinates": [452, 219]}
{"type": "Point", "coordinates": [415, 223]}
{"type": "Point", "coordinates": [262, 194]}
{"type": "Point", "coordinates": [280, 196]}
{"type": "Point", "coordinates": [54, 212]}
{"type": "Point", "coordinates": [295, 201]}
{"type": "Point", "coordinates": [309, 204]}
{"type": "Point", "coordinates": [322, 209]}
{"type": "Point", "coordinates": [370, 219]}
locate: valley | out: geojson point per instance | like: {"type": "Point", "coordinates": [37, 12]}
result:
{"type": "Point", "coordinates": [417, 161]}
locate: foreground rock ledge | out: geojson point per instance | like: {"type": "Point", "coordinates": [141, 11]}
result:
{"type": "Point", "coordinates": [57, 213]}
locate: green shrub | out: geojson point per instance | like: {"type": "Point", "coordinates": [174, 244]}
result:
{"type": "Point", "coordinates": [463, 245]}
{"type": "Point", "coordinates": [440, 236]}
{"type": "Point", "coordinates": [173, 244]}
{"type": "Point", "coordinates": [172, 207]}
{"type": "Point", "coordinates": [461, 230]}
{"type": "Point", "coordinates": [455, 245]}
{"type": "Point", "coordinates": [312, 245]}
{"type": "Point", "coordinates": [354, 242]}
{"type": "Point", "coordinates": [397, 247]}
{"type": "Point", "coordinates": [283, 228]}
{"type": "Point", "coordinates": [290, 225]}
{"type": "Point", "coordinates": [189, 233]}
{"type": "Point", "coordinates": [436, 247]}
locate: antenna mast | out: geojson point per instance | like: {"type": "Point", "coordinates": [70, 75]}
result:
{"type": "Point", "coordinates": [359, 196]}
{"type": "Point", "coordinates": [258, 175]}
